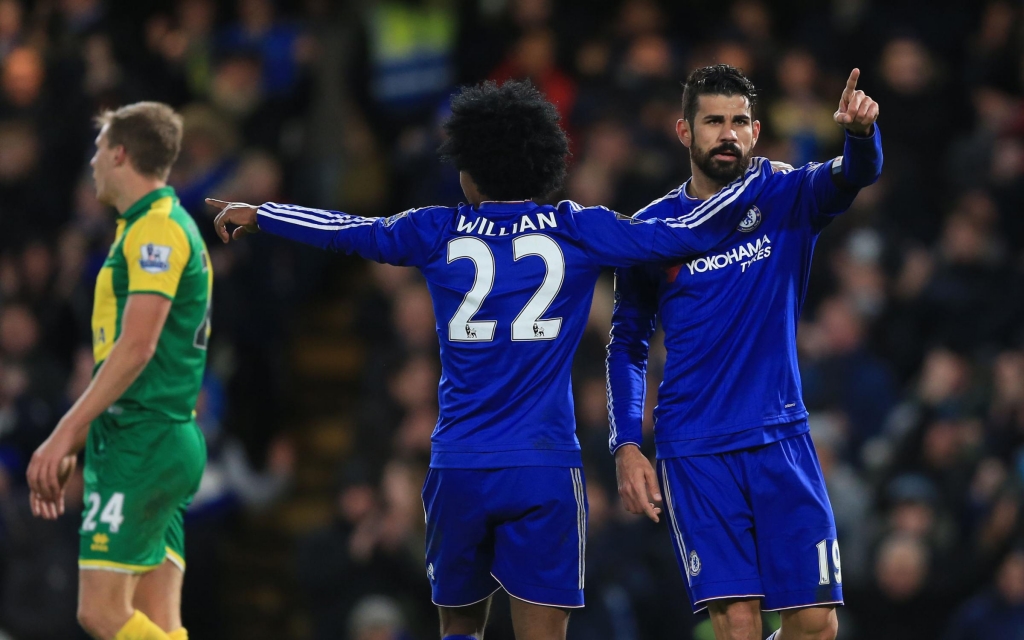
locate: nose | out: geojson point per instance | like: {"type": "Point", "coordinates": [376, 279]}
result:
{"type": "Point", "coordinates": [729, 133]}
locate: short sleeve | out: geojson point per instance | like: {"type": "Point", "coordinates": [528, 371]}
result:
{"type": "Point", "coordinates": [156, 250]}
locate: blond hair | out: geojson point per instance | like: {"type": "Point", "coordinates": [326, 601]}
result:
{"type": "Point", "coordinates": [150, 133]}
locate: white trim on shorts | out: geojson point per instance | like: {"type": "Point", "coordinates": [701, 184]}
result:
{"type": "Point", "coordinates": [459, 606]}
{"type": "Point", "coordinates": [542, 604]}
{"type": "Point", "coordinates": [675, 525]}
{"type": "Point", "coordinates": [581, 523]}
{"type": "Point", "coordinates": [804, 606]}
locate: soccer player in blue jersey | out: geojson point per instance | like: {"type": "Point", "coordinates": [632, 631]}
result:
{"type": "Point", "coordinates": [511, 282]}
{"type": "Point", "coordinates": [746, 503]}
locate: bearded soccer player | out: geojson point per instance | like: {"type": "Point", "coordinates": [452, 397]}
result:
{"type": "Point", "coordinates": [512, 282]}
{"type": "Point", "coordinates": [746, 503]}
{"type": "Point", "coordinates": [144, 454]}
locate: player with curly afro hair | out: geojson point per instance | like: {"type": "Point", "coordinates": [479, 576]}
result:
{"type": "Point", "coordinates": [506, 139]}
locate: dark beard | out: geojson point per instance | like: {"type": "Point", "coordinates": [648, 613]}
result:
{"type": "Point", "coordinates": [722, 172]}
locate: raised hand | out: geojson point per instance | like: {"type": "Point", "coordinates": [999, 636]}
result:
{"type": "Point", "coordinates": [857, 112]}
{"type": "Point", "coordinates": [237, 213]}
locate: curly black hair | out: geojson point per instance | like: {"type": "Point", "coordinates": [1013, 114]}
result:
{"type": "Point", "coordinates": [508, 139]}
{"type": "Point", "coordinates": [718, 79]}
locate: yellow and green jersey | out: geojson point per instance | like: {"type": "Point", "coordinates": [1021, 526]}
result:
{"type": "Point", "coordinates": [158, 250]}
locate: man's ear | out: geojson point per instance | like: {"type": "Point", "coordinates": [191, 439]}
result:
{"type": "Point", "coordinates": [120, 155]}
{"type": "Point", "coordinates": [684, 132]}
{"type": "Point", "coordinates": [755, 128]}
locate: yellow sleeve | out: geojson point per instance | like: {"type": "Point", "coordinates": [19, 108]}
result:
{"type": "Point", "coordinates": [156, 250]}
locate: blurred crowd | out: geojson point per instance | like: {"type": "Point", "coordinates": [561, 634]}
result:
{"type": "Point", "coordinates": [912, 340]}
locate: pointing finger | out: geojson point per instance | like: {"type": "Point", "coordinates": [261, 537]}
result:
{"type": "Point", "coordinates": [851, 85]}
{"type": "Point", "coordinates": [217, 203]}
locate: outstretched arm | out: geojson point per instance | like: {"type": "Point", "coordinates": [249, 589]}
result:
{"type": "Point", "coordinates": [835, 184]}
{"type": "Point", "coordinates": [671, 234]}
{"type": "Point", "coordinates": [402, 239]}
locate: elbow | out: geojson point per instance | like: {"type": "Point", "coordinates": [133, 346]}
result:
{"type": "Point", "coordinates": [141, 352]}
{"type": "Point", "coordinates": [871, 179]}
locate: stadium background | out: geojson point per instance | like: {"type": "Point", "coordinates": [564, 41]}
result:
{"type": "Point", "coordinates": [320, 397]}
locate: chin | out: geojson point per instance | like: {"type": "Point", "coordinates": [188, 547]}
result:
{"type": "Point", "coordinates": [727, 173]}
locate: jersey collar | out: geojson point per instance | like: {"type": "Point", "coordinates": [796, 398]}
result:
{"type": "Point", "coordinates": [506, 206]}
{"type": "Point", "coordinates": [685, 190]}
{"type": "Point", "coordinates": [143, 203]}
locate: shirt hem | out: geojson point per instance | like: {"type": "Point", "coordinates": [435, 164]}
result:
{"type": "Point", "coordinates": [505, 459]}
{"type": "Point", "coordinates": [152, 291]}
{"type": "Point", "coordinates": [760, 435]}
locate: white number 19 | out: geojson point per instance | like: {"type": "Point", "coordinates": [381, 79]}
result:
{"type": "Point", "coordinates": [823, 572]}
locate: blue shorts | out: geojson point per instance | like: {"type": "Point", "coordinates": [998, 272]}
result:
{"type": "Point", "coordinates": [754, 523]}
{"type": "Point", "coordinates": [523, 529]}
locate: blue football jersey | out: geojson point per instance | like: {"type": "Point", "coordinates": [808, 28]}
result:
{"type": "Point", "coordinates": [511, 285]}
{"type": "Point", "coordinates": [730, 316]}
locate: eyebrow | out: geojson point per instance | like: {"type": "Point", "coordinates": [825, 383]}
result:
{"type": "Point", "coordinates": [718, 116]}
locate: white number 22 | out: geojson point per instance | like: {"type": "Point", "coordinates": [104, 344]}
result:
{"type": "Point", "coordinates": [528, 325]}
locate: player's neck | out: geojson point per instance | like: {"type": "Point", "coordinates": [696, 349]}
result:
{"type": "Point", "coordinates": [701, 186]}
{"type": "Point", "coordinates": [134, 189]}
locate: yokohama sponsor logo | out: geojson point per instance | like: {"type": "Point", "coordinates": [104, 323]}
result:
{"type": "Point", "coordinates": [744, 255]}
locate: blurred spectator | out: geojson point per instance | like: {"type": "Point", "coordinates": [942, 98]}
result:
{"type": "Point", "coordinates": [406, 64]}
{"type": "Point", "coordinates": [363, 552]}
{"type": "Point", "coordinates": [997, 613]}
{"type": "Point", "coordinates": [12, 18]}
{"type": "Point", "coordinates": [799, 114]}
{"type": "Point", "coordinates": [535, 56]}
{"type": "Point", "coordinates": [912, 93]}
{"type": "Point", "coordinates": [1006, 413]}
{"type": "Point", "coordinates": [376, 618]}
{"type": "Point", "coordinates": [280, 46]}
{"type": "Point", "coordinates": [839, 373]}
{"type": "Point", "coordinates": [847, 492]}
{"type": "Point", "coordinates": [900, 604]}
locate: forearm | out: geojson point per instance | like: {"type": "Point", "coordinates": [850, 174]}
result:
{"type": "Point", "coordinates": [121, 368]}
{"type": "Point", "coordinates": [329, 230]}
{"type": "Point", "coordinates": [627, 390]}
{"type": "Point", "coordinates": [862, 159]}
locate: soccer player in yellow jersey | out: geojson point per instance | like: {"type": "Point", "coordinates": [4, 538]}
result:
{"type": "Point", "coordinates": [144, 453]}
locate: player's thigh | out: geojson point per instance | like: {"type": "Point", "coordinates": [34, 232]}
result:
{"type": "Point", "coordinates": [736, 619]}
{"type": "Point", "coordinates": [105, 599]}
{"type": "Point", "coordinates": [540, 543]}
{"type": "Point", "coordinates": [537, 622]}
{"type": "Point", "coordinates": [811, 622]}
{"type": "Point", "coordinates": [470, 620]}
{"type": "Point", "coordinates": [712, 527]}
{"type": "Point", "coordinates": [796, 533]}
{"type": "Point", "coordinates": [459, 536]}
{"type": "Point", "coordinates": [158, 595]}
{"type": "Point", "coordinates": [136, 479]}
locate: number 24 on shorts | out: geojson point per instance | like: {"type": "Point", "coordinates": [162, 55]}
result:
{"type": "Point", "coordinates": [110, 516]}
